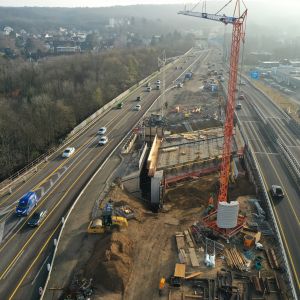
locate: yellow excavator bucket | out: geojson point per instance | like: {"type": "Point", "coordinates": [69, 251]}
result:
{"type": "Point", "coordinates": [121, 221]}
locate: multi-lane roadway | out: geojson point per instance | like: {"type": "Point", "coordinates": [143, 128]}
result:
{"type": "Point", "coordinates": [274, 169]}
{"type": "Point", "coordinates": [60, 181]}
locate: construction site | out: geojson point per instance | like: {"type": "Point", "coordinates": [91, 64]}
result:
{"type": "Point", "coordinates": [184, 218]}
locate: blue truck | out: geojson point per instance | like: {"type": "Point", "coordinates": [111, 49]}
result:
{"type": "Point", "coordinates": [27, 203]}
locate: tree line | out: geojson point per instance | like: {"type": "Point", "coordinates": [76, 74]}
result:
{"type": "Point", "coordinates": [41, 102]}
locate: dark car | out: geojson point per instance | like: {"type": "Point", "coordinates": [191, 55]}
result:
{"type": "Point", "coordinates": [120, 105]}
{"type": "Point", "coordinates": [277, 192]}
{"type": "Point", "coordinates": [37, 218]}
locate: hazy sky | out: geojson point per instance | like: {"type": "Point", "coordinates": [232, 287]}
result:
{"type": "Point", "coordinates": [84, 3]}
{"type": "Point", "coordinates": [97, 3]}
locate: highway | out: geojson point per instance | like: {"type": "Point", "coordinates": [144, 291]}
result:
{"type": "Point", "coordinates": [274, 169]}
{"type": "Point", "coordinates": [25, 250]}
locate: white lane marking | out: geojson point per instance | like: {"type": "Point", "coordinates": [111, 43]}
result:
{"type": "Point", "coordinates": [38, 273]}
{"type": "Point", "coordinates": [3, 276]}
{"type": "Point", "coordinates": [268, 153]}
{"type": "Point", "coordinates": [249, 121]}
{"type": "Point", "coordinates": [12, 228]}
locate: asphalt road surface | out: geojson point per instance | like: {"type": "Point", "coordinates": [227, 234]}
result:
{"type": "Point", "coordinates": [274, 170]}
{"type": "Point", "coordinates": [25, 251]}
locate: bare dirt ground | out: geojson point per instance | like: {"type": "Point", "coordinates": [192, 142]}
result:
{"type": "Point", "coordinates": [129, 264]}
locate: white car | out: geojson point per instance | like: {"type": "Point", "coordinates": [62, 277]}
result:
{"type": "Point", "coordinates": [68, 152]}
{"type": "Point", "coordinates": [103, 140]}
{"type": "Point", "coordinates": [137, 107]}
{"type": "Point", "coordinates": [157, 81]}
{"type": "Point", "coordinates": [101, 131]}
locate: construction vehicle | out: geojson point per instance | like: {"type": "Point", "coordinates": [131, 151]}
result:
{"type": "Point", "coordinates": [97, 226]}
{"type": "Point", "coordinates": [107, 222]}
{"type": "Point", "coordinates": [162, 284]}
{"type": "Point", "coordinates": [237, 20]}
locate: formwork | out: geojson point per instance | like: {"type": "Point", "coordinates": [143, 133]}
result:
{"type": "Point", "coordinates": [190, 155]}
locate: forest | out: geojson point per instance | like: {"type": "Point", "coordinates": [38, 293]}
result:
{"type": "Point", "coordinates": [40, 102]}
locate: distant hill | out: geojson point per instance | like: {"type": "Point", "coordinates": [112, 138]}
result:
{"type": "Point", "coordinates": [37, 19]}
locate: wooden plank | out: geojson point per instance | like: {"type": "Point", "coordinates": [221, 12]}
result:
{"type": "Point", "coordinates": [179, 270]}
{"type": "Point", "coordinates": [188, 239]}
{"type": "Point", "coordinates": [182, 256]}
{"type": "Point", "coordinates": [180, 241]}
{"type": "Point", "coordinates": [269, 259]}
{"type": "Point", "coordinates": [170, 295]}
{"type": "Point", "coordinates": [274, 259]}
{"type": "Point", "coordinates": [192, 237]}
{"type": "Point", "coordinates": [193, 256]}
{"type": "Point", "coordinates": [193, 296]}
{"type": "Point", "coordinates": [193, 275]}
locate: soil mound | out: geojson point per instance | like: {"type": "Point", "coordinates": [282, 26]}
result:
{"type": "Point", "coordinates": [111, 263]}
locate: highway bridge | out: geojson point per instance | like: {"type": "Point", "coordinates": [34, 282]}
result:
{"type": "Point", "coordinates": [25, 251]}
{"type": "Point", "coordinates": [263, 123]}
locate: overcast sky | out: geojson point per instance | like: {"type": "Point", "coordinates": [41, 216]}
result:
{"type": "Point", "coordinates": [99, 3]}
{"type": "Point", "coordinates": [85, 3]}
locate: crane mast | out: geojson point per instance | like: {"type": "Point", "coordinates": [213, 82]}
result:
{"type": "Point", "coordinates": [238, 34]}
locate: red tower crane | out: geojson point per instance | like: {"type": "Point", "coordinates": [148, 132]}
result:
{"type": "Point", "coordinates": [238, 34]}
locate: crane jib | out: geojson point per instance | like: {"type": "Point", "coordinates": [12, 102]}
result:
{"type": "Point", "coordinates": [221, 18]}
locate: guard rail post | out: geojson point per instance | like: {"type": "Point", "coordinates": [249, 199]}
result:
{"type": "Point", "coordinates": [263, 189]}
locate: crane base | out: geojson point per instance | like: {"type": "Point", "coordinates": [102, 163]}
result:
{"type": "Point", "coordinates": [210, 221]}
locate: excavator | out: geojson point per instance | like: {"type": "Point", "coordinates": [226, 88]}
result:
{"type": "Point", "coordinates": [107, 221]}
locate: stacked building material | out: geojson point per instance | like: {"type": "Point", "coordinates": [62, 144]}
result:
{"type": "Point", "coordinates": [235, 259]}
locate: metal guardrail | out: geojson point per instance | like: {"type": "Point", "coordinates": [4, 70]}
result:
{"type": "Point", "coordinates": [287, 155]}
{"type": "Point", "coordinates": [129, 143]}
{"type": "Point", "coordinates": [265, 194]}
{"type": "Point", "coordinates": [262, 184]}
{"type": "Point", "coordinates": [258, 112]}
{"type": "Point", "coordinates": [273, 218]}
{"type": "Point", "coordinates": [291, 162]}
{"type": "Point", "coordinates": [32, 166]}
{"type": "Point", "coordinates": [286, 116]}
{"type": "Point", "coordinates": [295, 126]}
{"type": "Point", "coordinates": [91, 179]}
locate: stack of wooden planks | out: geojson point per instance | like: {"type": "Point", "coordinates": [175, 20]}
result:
{"type": "Point", "coordinates": [235, 259]}
{"type": "Point", "coordinates": [272, 259]}
{"type": "Point", "coordinates": [188, 239]}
